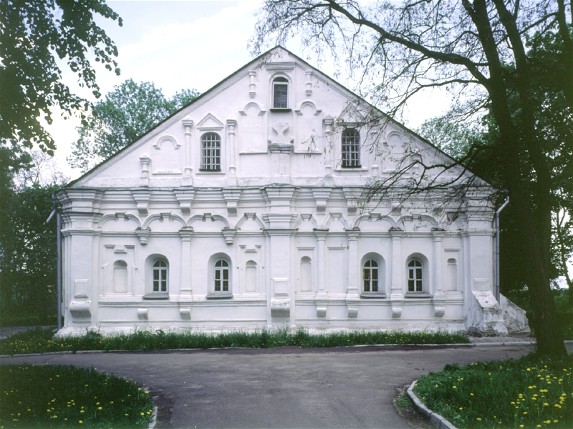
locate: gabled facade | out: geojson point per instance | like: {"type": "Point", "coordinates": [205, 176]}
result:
{"type": "Point", "coordinates": [244, 211]}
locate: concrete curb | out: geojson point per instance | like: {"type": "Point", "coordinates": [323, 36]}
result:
{"type": "Point", "coordinates": [429, 346]}
{"type": "Point", "coordinates": [435, 418]}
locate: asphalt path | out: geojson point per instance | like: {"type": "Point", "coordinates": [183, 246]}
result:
{"type": "Point", "coordinates": [277, 388]}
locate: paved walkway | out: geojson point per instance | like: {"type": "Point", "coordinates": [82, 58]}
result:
{"type": "Point", "coordinates": [280, 388]}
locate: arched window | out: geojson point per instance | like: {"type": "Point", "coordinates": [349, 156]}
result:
{"type": "Point", "coordinates": [156, 277]}
{"type": "Point", "coordinates": [415, 275]}
{"type": "Point", "coordinates": [160, 276]}
{"type": "Point", "coordinates": [221, 276]}
{"type": "Point", "coordinates": [280, 93]}
{"type": "Point", "coordinates": [370, 276]}
{"type": "Point", "coordinates": [350, 148]}
{"type": "Point", "coordinates": [210, 152]}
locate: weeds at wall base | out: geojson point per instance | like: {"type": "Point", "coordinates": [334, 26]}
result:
{"type": "Point", "coordinates": [43, 341]}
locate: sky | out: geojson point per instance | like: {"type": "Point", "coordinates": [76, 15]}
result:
{"type": "Point", "coordinates": [184, 44]}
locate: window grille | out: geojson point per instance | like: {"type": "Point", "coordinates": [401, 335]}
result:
{"type": "Point", "coordinates": [350, 148]}
{"type": "Point", "coordinates": [280, 93]}
{"type": "Point", "coordinates": [211, 152]}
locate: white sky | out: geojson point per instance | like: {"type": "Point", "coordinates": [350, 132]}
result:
{"type": "Point", "coordinates": [185, 44]}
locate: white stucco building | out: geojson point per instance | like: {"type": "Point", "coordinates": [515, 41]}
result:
{"type": "Point", "coordinates": [244, 210]}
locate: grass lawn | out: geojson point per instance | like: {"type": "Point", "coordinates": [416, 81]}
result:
{"type": "Point", "coordinates": [524, 393]}
{"type": "Point", "coordinates": [64, 396]}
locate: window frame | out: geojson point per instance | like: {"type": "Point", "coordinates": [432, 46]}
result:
{"type": "Point", "coordinates": [211, 157]}
{"type": "Point", "coordinates": [417, 277]}
{"type": "Point", "coordinates": [350, 150]}
{"type": "Point", "coordinates": [162, 278]}
{"type": "Point", "coordinates": [220, 277]}
{"type": "Point", "coordinates": [375, 275]}
{"type": "Point", "coordinates": [370, 276]}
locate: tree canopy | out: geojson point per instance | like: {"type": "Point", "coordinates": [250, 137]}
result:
{"type": "Point", "coordinates": [483, 53]}
{"type": "Point", "coordinates": [125, 113]}
{"type": "Point", "coordinates": [37, 38]}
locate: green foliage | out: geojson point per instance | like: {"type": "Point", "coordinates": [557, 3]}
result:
{"type": "Point", "coordinates": [475, 142]}
{"type": "Point", "coordinates": [27, 255]}
{"type": "Point", "coordinates": [126, 113]}
{"type": "Point", "coordinates": [524, 393]}
{"type": "Point", "coordinates": [36, 39]}
{"type": "Point", "coordinates": [69, 397]}
{"type": "Point", "coordinates": [40, 341]}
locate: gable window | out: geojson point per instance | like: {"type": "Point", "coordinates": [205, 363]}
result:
{"type": "Point", "coordinates": [220, 277]}
{"type": "Point", "coordinates": [370, 276]}
{"type": "Point", "coordinates": [210, 152]}
{"type": "Point", "coordinates": [350, 148]}
{"type": "Point", "coordinates": [280, 93]}
{"type": "Point", "coordinates": [415, 276]}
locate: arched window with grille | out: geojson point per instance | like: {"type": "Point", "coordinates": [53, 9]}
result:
{"type": "Point", "coordinates": [280, 93]}
{"type": "Point", "coordinates": [350, 148]}
{"type": "Point", "coordinates": [210, 152]}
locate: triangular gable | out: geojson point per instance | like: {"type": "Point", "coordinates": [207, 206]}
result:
{"type": "Point", "coordinates": [268, 59]}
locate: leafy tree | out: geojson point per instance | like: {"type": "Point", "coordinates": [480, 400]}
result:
{"type": "Point", "coordinates": [457, 136]}
{"type": "Point", "coordinates": [27, 256]}
{"type": "Point", "coordinates": [477, 50]}
{"type": "Point", "coordinates": [126, 113]}
{"type": "Point", "coordinates": [38, 37]}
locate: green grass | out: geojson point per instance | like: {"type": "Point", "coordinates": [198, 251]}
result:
{"type": "Point", "coordinates": [524, 393]}
{"type": "Point", "coordinates": [39, 341]}
{"type": "Point", "coordinates": [63, 396]}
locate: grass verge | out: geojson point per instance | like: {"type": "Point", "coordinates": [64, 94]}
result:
{"type": "Point", "coordinates": [64, 396]}
{"type": "Point", "coordinates": [524, 393]}
{"type": "Point", "coordinates": [39, 341]}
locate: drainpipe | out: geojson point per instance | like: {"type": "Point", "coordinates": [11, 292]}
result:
{"type": "Point", "coordinates": [59, 267]}
{"type": "Point", "coordinates": [56, 212]}
{"type": "Point", "coordinates": [497, 249]}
